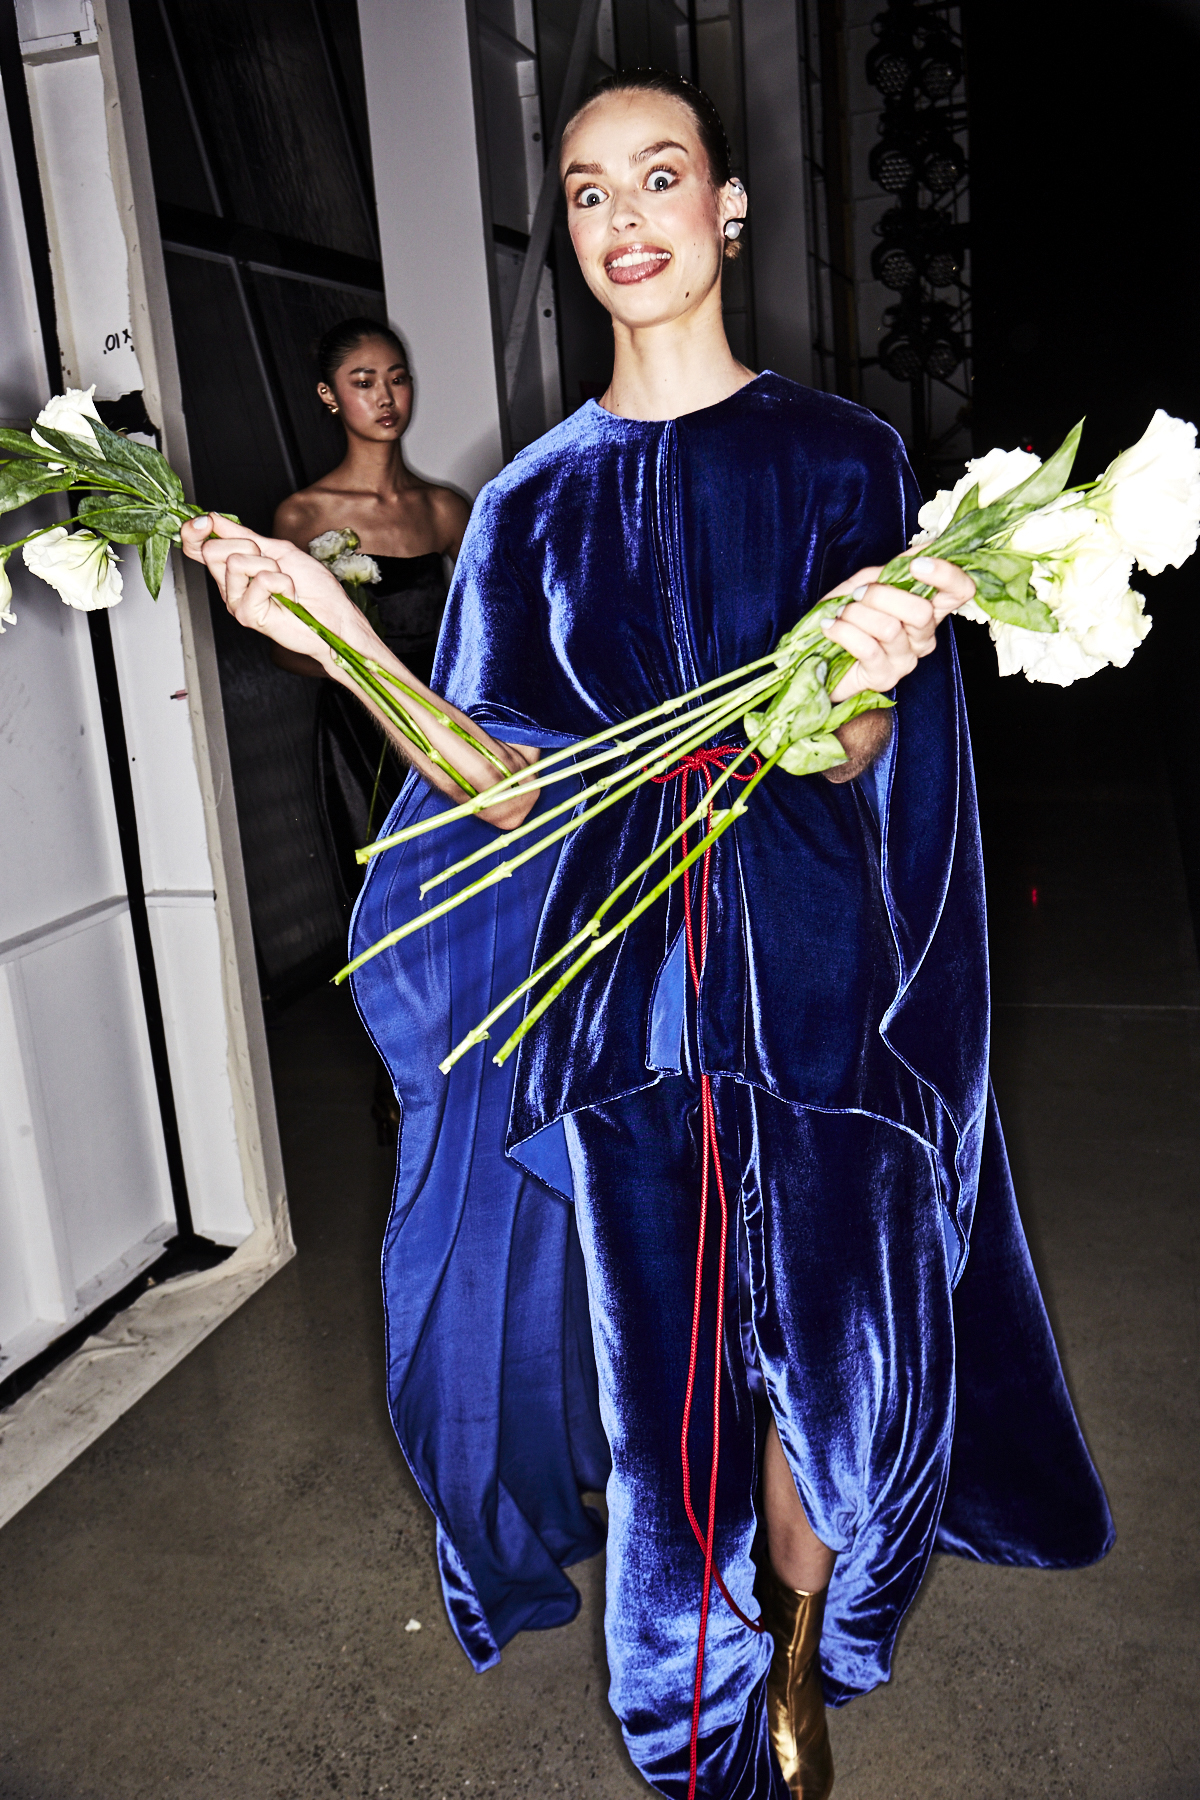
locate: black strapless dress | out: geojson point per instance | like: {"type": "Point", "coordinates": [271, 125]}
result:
{"type": "Point", "coordinates": [356, 771]}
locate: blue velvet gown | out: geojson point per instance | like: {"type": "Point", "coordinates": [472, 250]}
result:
{"type": "Point", "coordinates": [538, 1264]}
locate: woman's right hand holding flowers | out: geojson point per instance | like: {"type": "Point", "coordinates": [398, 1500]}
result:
{"type": "Point", "coordinates": [249, 569]}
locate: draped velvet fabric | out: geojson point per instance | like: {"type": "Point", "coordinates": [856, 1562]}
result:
{"type": "Point", "coordinates": [844, 1019]}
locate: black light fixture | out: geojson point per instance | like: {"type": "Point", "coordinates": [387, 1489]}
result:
{"type": "Point", "coordinates": [940, 67]}
{"type": "Point", "coordinates": [894, 160]}
{"type": "Point", "coordinates": [942, 349]}
{"type": "Point", "coordinates": [921, 339]}
{"type": "Point", "coordinates": [897, 265]}
{"type": "Point", "coordinates": [943, 262]}
{"type": "Point", "coordinates": [943, 163]}
{"type": "Point", "coordinates": [892, 65]}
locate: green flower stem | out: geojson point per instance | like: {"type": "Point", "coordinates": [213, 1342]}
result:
{"type": "Point", "coordinates": [588, 931]}
{"type": "Point", "coordinates": [709, 720]}
{"type": "Point", "coordinates": [598, 944]}
{"type": "Point", "coordinates": [398, 715]}
{"type": "Point", "coordinates": [521, 781]}
{"type": "Point", "coordinates": [501, 872]}
{"type": "Point", "coordinates": [357, 667]}
{"type": "Point", "coordinates": [443, 718]}
{"type": "Point", "coordinates": [378, 778]}
{"type": "Point", "coordinates": [536, 778]}
{"type": "Point", "coordinates": [6, 550]}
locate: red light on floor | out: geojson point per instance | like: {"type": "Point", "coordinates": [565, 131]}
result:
{"type": "Point", "coordinates": [1033, 896]}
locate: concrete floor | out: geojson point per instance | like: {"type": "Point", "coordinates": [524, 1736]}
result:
{"type": "Point", "coordinates": [212, 1601]}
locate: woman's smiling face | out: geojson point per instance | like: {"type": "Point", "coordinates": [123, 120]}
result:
{"type": "Point", "coordinates": [645, 218]}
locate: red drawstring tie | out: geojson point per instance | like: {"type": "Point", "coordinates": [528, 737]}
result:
{"type": "Point", "coordinates": [702, 762]}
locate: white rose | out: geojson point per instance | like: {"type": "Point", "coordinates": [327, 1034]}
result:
{"type": "Point", "coordinates": [356, 570]}
{"type": "Point", "coordinates": [1086, 587]}
{"type": "Point", "coordinates": [1100, 618]}
{"type": "Point", "coordinates": [1064, 525]}
{"type": "Point", "coordinates": [81, 568]}
{"type": "Point", "coordinates": [7, 615]}
{"type": "Point", "coordinates": [1117, 637]}
{"type": "Point", "coordinates": [332, 544]}
{"type": "Point", "coordinates": [996, 473]}
{"type": "Point", "coordinates": [1151, 494]}
{"type": "Point", "coordinates": [70, 412]}
{"type": "Point", "coordinates": [1051, 656]}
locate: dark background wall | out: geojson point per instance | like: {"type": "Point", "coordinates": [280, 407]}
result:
{"type": "Point", "coordinates": [256, 117]}
{"type": "Point", "coordinates": [1085, 262]}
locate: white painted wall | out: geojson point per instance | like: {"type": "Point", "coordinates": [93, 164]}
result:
{"type": "Point", "coordinates": [85, 1198]}
{"type": "Point", "coordinates": [777, 188]}
{"type": "Point", "coordinates": [433, 231]}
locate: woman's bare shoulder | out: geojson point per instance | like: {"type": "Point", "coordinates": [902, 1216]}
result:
{"type": "Point", "coordinates": [309, 511]}
{"type": "Point", "coordinates": [451, 513]}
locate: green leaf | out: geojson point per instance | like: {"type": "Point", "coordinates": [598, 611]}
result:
{"type": "Point", "coordinates": [968, 504]}
{"type": "Point", "coordinates": [1048, 482]}
{"type": "Point", "coordinates": [866, 700]}
{"type": "Point", "coordinates": [154, 553]}
{"type": "Point", "coordinates": [20, 443]}
{"type": "Point", "coordinates": [140, 459]}
{"type": "Point", "coordinates": [809, 755]}
{"type": "Point", "coordinates": [21, 482]}
{"type": "Point", "coordinates": [1033, 614]}
{"type": "Point", "coordinates": [125, 523]}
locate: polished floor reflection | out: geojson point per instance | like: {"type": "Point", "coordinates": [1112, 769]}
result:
{"type": "Point", "coordinates": [213, 1600]}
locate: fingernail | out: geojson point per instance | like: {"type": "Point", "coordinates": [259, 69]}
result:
{"type": "Point", "coordinates": [203, 522]}
{"type": "Point", "coordinates": [922, 568]}
{"type": "Point", "coordinates": [858, 592]}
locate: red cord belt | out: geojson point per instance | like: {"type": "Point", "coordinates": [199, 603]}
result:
{"type": "Point", "coordinates": [702, 762]}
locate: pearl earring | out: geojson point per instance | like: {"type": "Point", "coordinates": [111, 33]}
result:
{"type": "Point", "coordinates": [733, 229]}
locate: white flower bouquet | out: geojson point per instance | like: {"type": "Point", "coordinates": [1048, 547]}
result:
{"type": "Point", "coordinates": [1051, 566]}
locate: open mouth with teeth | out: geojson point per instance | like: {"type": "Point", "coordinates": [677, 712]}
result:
{"type": "Point", "coordinates": [636, 262]}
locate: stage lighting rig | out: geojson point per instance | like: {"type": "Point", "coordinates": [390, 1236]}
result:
{"type": "Point", "coordinates": [920, 161]}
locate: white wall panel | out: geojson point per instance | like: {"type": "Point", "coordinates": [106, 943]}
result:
{"type": "Point", "coordinates": [91, 279]}
{"type": "Point", "coordinates": [178, 880]}
{"type": "Point", "coordinates": [85, 1044]}
{"type": "Point", "coordinates": [434, 238]}
{"type": "Point", "coordinates": [60, 851]}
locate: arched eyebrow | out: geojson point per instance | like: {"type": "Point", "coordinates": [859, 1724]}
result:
{"type": "Point", "coordinates": [657, 149]}
{"type": "Point", "coordinates": [594, 168]}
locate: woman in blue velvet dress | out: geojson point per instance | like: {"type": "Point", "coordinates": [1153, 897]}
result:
{"type": "Point", "coordinates": [886, 1382]}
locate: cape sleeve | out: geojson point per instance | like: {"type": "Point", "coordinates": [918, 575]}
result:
{"type": "Point", "coordinates": [491, 1381]}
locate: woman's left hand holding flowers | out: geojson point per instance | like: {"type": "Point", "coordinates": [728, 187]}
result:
{"type": "Point", "coordinates": [887, 630]}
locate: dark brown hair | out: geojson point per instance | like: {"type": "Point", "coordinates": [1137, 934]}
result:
{"type": "Point", "coordinates": [337, 343]}
{"type": "Point", "coordinates": [709, 127]}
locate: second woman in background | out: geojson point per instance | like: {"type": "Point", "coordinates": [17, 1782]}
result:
{"type": "Point", "coordinates": [406, 529]}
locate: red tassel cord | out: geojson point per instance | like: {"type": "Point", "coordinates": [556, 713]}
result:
{"type": "Point", "coordinates": [702, 762]}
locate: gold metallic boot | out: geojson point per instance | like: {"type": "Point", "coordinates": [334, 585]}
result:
{"type": "Point", "coordinates": [795, 1701]}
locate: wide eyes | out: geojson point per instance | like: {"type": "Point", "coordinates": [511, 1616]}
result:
{"type": "Point", "coordinates": [657, 182]}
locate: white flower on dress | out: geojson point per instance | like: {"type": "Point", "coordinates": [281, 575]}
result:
{"type": "Point", "coordinates": [79, 566]}
{"type": "Point", "coordinates": [994, 473]}
{"type": "Point", "coordinates": [70, 412]}
{"type": "Point", "coordinates": [1151, 494]}
{"type": "Point", "coordinates": [332, 544]}
{"type": "Point", "coordinates": [356, 570]}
